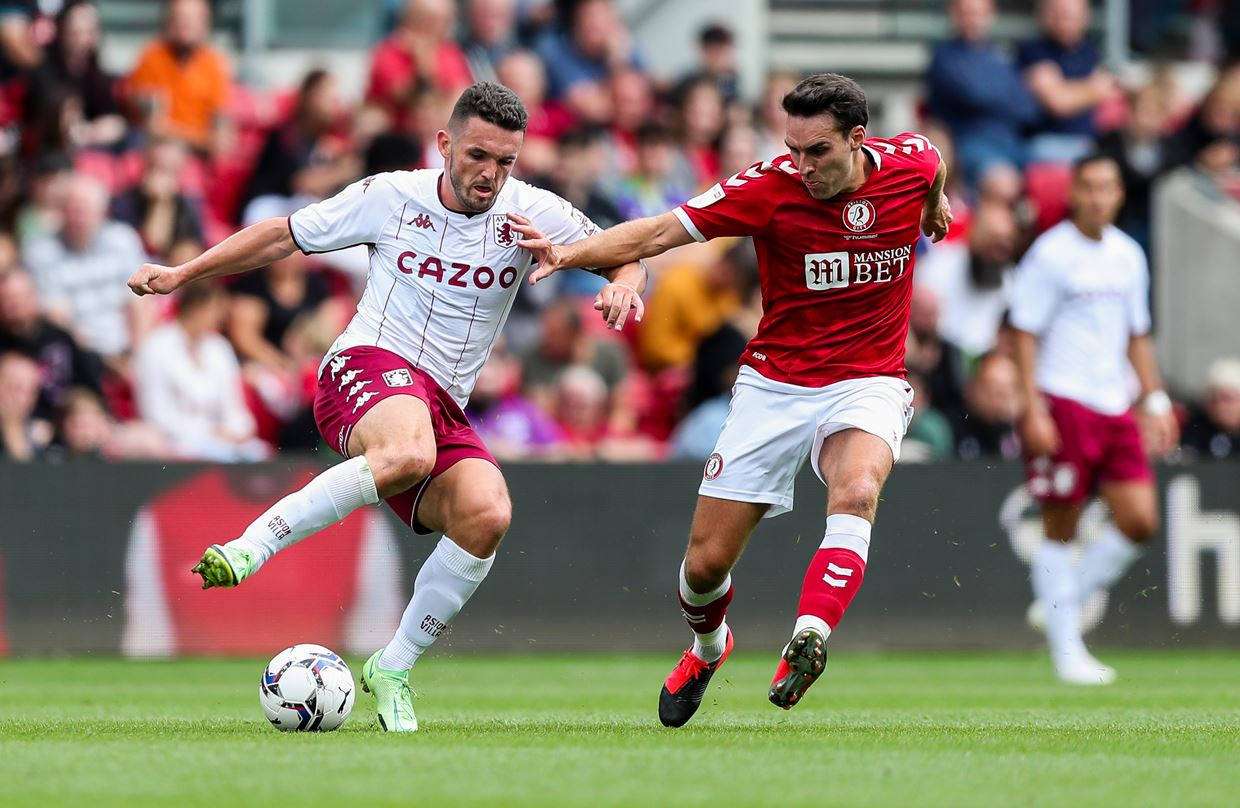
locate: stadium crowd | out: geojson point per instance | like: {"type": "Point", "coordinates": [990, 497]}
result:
{"type": "Point", "coordinates": [100, 172]}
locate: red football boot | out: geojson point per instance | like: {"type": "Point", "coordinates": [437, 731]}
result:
{"type": "Point", "coordinates": [803, 662]}
{"type": "Point", "coordinates": [686, 684]}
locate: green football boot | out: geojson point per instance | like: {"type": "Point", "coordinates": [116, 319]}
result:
{"type": "Point", "coordinates": [393, 697]}
{"type": "Point", "coordinates": [222, 565]}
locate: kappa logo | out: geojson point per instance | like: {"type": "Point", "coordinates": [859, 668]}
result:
{"type": "Point", "coordinates": [363, 398]}
{"type": "Point", "coordinates": [859, 215]}
{"type": "Point", "coordinates": [502, 229]}
{"type": "Point", "coordinates": [714, 466]}
{"type": "Point", "coordinates": [423, 221]}
{"type": "Point", "coordinates": [357, 388]}
{"type": "Point", "coordinates": [347, 378]}
{"type": "Point", "coordinates": [398, 378]}
{"type": "Point", "coordinates": [338, 363]}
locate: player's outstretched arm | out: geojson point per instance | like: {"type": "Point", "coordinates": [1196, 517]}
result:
{"type": "Point", "coordinates": [615, 246]}
{"type": "Point", "coordinates": [936, 216]}
{"type": "Point", "coordinates": [255, 246]}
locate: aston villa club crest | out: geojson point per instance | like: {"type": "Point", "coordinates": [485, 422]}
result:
{"type": "Point", "coordinates": [501, 228]}
{"type": "Point", "coordinates": [859, 215]}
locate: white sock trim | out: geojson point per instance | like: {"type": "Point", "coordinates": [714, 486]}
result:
{"type": "Point", "coordinates": [848, 532]}
{"type": "Point", "coordinates": [811, 621]}
{"type": "Point", "coordinates": [710, 646]}
{"type": "Point", "coordinates": [459, 562]}
{"type": "Point", "coordinates": [702, 598]}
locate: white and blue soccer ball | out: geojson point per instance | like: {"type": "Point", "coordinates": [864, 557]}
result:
{"type": "Point", "coordinates": [306, 688]}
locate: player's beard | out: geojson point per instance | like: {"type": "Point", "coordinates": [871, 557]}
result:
{"type": "Point", "coordinates": [464, 194]}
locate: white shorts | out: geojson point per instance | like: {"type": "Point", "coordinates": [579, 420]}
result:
{"type": "Point", "coordinates": [772, 427]}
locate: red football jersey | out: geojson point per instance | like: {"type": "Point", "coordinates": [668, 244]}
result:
{"type": "Point", "coordinates": [837, 274]}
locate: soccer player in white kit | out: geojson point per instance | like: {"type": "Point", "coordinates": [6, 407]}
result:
{"type": "Point", "coordinates": [444, 270]}
{"type": "Point", "coordinates": [1081, 313]}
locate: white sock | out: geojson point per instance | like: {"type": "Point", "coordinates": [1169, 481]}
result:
{"type": "Point", "coordinates": [710, 646]}
{"type": "Point", "coordinates": [1054, 583]}
{"type": "Point", "coordinates": [448, 578]}
{"type": "Point", "coordinates": [814, 622]}
{"type": "Point", "coordinates": [325, 500]}
{"type": "Point", "coordinates": [1104, 561]}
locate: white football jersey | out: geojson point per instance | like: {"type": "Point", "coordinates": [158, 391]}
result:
{"type": "Point", "coordinates": [1085, 300]}
{"type": "Point", "coordinates": [440, 283]}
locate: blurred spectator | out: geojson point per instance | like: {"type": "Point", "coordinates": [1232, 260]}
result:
{"type": "Point", "coordinates": [580, 54]}
{"type": "Point", "coordinates": [87, 431]}
{"type": "Point", "coordinates": [523, 73]}
{"type": "Point", "coordinates": [513, 427]}
{"type": "Point", "coordinates": [977, 92]}
{"type": "Point", "coordinates": [81, 271]}
{"type": "Point", "coordinates": [45, 199]}
{"type": "Point", "coordinates": [771, 117]}
{"type": "Point", "coordinates": [63, 363]}
{"type": "Point", "coordinates": [992, 402]}
{"type": "Point", "coordinates": [929, 434]}
{"type": "Point", "coordinates": [20, 51]}
{"type": "Point", "coordinates": [1213, 428]}
{"type": "Point", "coordinates": [738, 149]}
{"type": "Point", "coordinates": [156, 207]}
{"type": "Point", "coordinates": [419, 53]}
{"type": "Point", "coordinates": [22, 436]}
{"type": "Point", "coordinates": [703, 117]}
{"type": "Point", "coordinates": [972, 281]}
{"type": "Point", "coordinates": [652, 188]}
{"type": "Point", "coordinates": [182, 84]}
{"type": "Point", "coordinates": [939, 362]}
{"type": "Point", "coordinates": [580, 405]}
{"type": "Point", "coordinates": [1140, 151]}
{"type": "Point", "coordinates": [717, 61]}
{"type": "Point", "coordinates": [266, 303]}
{"type": "Point", "coordinates": [72, 64]}
{"type": "Point", "coordinates": [691, 300]}
{"type": "Point", "coordinates": [1062, 69]}
{"type": "Point", "coordinates": [491, 34]}
{"type": "Point", "coordinates": [430, 110]}
{"type": "Point", "coordinates": [632, 107]}
{"type": "Point", "coordinates": [714, 372]}
{"type": "Point", "coordinates": [188, 382]}
{"type": "Point", "coordinates": [1217, 119]}
{"type": "Point", "coordinates": [563, 342]}
{"type": "Point", "coordinates": [303, 160]}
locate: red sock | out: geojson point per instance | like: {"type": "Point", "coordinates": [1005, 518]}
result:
{"type": "Point", "coordinates": [831, 582]}
{"type": "Point", "coordinates": [707, 617]}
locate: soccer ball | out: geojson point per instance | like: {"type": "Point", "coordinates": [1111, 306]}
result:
{"type": "Point", "coordinates": [306, 688]}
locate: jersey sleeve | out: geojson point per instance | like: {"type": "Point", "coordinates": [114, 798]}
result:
{"type": "Point", "coordinates": [742, 205]}
{"type": "Point", "coordinates": [354, 216]}
{"type": "Point", "coordinates": [1139, 296]}
{"type": "Point", "coordinates": [556, 217]}
{"type": "Point", "coordinates": [1035, 292]}
{"type": "Point", "coordinates": [914, 152]}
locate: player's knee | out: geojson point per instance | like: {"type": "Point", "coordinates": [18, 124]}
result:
{"type": "Point", "coordinates": [706, 571]}
{"type": "Point", "coordinates": [400, 466]}
{"type": "Point", "coordinates": [1138, 527]}
{"type": "Point", "coordinates": [481, 530]}
{"type": "Point", "coordinates": [857, 496]}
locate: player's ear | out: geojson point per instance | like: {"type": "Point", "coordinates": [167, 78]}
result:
{"type": "Point", "coordinates": [857, 136]}
{"type": "Point", "coordinates": [444, 141]}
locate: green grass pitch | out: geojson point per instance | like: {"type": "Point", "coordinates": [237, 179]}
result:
{"type": "Point", "coordinates": [959, 729]}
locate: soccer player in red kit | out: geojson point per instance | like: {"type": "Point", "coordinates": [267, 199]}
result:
{"type": "Point", "coordinates": [835, 223]}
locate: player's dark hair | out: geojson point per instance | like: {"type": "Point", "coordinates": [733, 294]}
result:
{"type": "Point", "coordinates": [493, 103]}
{"type": "Point", "coordinates": [1082, 163]}
{"type": "Point", "coordinates": [716, 33]}
{"type": "Point", "coordinates": [831, 94]}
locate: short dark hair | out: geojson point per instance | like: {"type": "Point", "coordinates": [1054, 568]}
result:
{"type": "Point", "coordinates": [493, 103]}
{"type": "Point", "coordinates": [831, 94]}
{"type": "Point", "coordinates": [1081, 163]}
{"type": "Point", "coordinates": [654, 133]}
{"type": "Point", "coordinates": [197, 294]}
{"type": "Point", "coordinates": [716, 33]}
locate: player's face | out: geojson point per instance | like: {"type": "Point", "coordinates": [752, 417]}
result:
{"type": "Point", "coordinates": [822, 153]}
{"type": "Point", "coordinates": [479, 157]}
{"type": "Point", "coordinates": [1097, 194]}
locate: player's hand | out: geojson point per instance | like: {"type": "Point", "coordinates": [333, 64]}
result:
{"type": "Point", "coordinates": [1160, 433]}
{"type": "Point", "coordinates": [545, 253]}
{"type": "Point", "coordinates": [615, 301]}
{"type": "Point", "coordinates": [1038, 434]}
{"type": "Point", "coordinates": [936, 220]}
{"type": "Point", "coordinates": [153, 279]}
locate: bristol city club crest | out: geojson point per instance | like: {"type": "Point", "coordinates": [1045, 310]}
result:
{"type": "Point", "coordinates": [501, 228]}
{"type": "Point", "coordinates": [859, 215]}
{"type": "Point", "coordinates": [714, 466]}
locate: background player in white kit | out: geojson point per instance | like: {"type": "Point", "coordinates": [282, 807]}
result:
{"type": "Point", "coordinates": [1081, 313]}
{"type": "Point", "coordinates": [444, 270]}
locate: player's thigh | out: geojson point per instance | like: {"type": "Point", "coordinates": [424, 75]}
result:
{"type": "Point", "coordinates": [854, 464]}
{"type": "Point", "coordinates": [469, 503]}
{"type": "Point", "coordinates": [720, 530]}
{"type": "Point", "coordinates": [1060, 519]}
{"type": "Point", "coordinates": [1134, 507]}
{"type": "Point", "coordinates": [398, 439]}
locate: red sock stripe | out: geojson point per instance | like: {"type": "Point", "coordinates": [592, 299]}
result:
{"type": "Point", "coordinates": [703, 619]}
{"type": "Point", "coordinates": [831, 582]}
